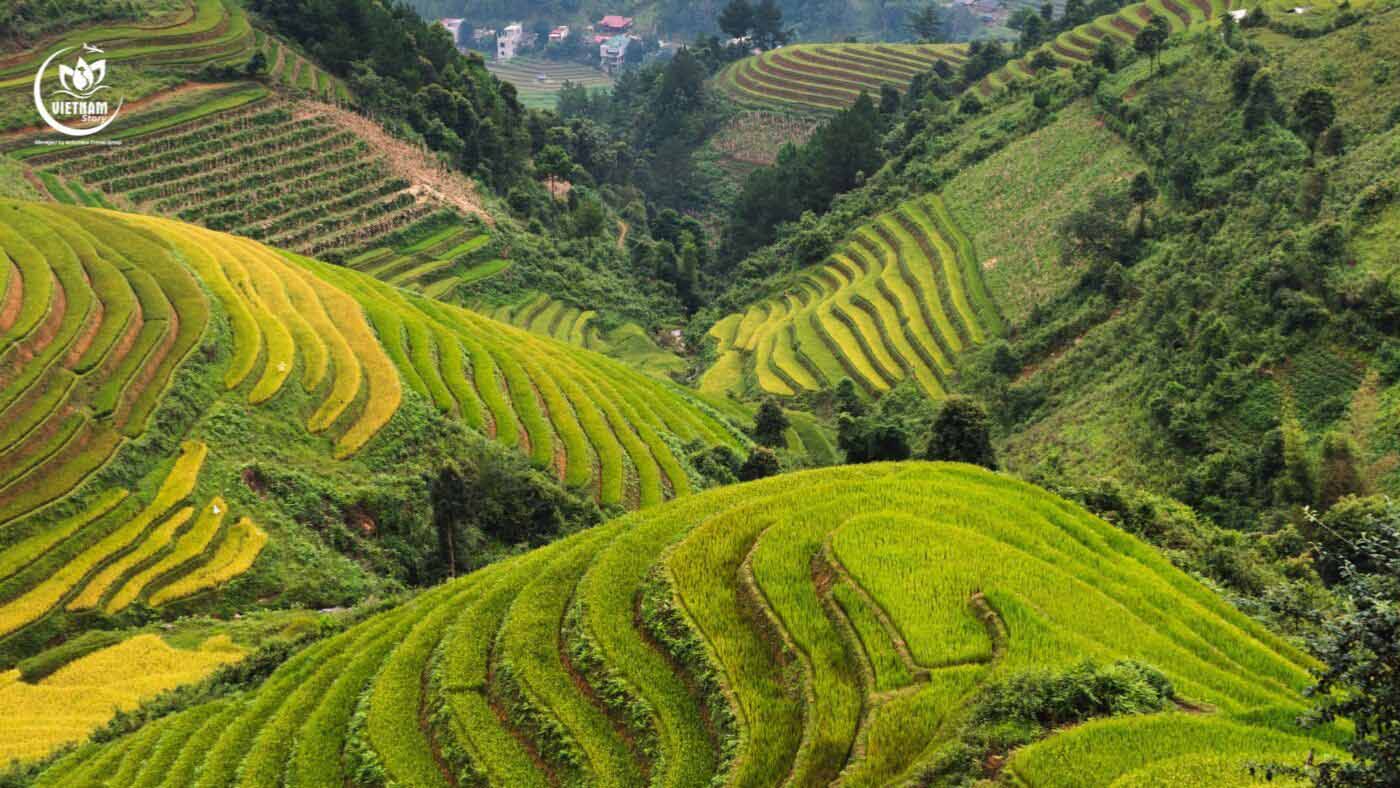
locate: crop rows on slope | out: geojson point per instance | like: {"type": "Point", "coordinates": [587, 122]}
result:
{"type": "Point", "coordinates": [435, 265]}
{"type": "Point", "coordinates": [818, 626]}
{"type": "Point", "coordinates": [537, 82]}
{"type": "Point", "coordinates": [590, 420]}
{"type": "Point", "coordinates": [350, 341]}
{"type": "Point", "coordinates": [80, 696]}
{"type": "Point", "coordinates": [291, 70]}
{"type": "Point", "coordinates": [829, 76]}
{"type": "Point", "coordinates": [118, 550]}
{"type": "Point", "coordinates": [217, 32]}
{"type": "Point", "coordinates": [93, 322]}
{"type": "Point", "coordinates": [900, 300]}
{"type": "Point", "coordinates": [275, 172]}
{"type": "Point", "coordinates": [629, 342]}
{"type": "Point", "coordinates": [1077, 45]}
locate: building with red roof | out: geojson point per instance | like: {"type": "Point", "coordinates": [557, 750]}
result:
{"type": "Point", "coordinates": [613, 24]}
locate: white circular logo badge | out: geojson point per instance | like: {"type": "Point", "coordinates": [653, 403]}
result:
{"type": "Point", "coordinates": [80, 96]}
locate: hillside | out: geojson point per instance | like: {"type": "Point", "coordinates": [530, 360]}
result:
{"type": "Point", "coordinates": [825, 77]}
{"type": "Point", "coordinates": [1013, 413]}
{"type": "Point", "coordinates": [156, 377]}
{"type": "Point", "coordinates": [901, 300]}
{"type": "Point", "coordinates": [234, 127]}
{"type": "Point", "coordinates": [799, 629]}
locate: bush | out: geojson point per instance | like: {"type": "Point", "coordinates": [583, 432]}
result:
{"type": "Point", "coordinates": [45, 664]}
{"type": "Point", "coordinates": [761, 464]}
{"type": "Point", "coordinates": [1047, 700]}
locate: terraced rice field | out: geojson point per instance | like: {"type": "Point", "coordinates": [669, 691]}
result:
{"type": "Point", "coordinates": [274, 171]}
{"type": "Point", "coordinates": [65, 707]}
{"type": "Point", "coordinates": [901, 299]}
{"type": "Point", "coordinates": [540, 314]}
{"type": "Point", "coordinates": [537, 82]}
{"type": "Point", "coordinates": [121, 549]}
{"type": "Point", "coordinates": [435, 265]}
{"type": "Point", "coordinates": [295, 72]}
{"type": "Point", "coordinates": [104, 351]}
{"type": "Point", "coordinates": [1076, 46]}
{"type": "Point", "coordinates": [592, 421]}
{"type": "Point", "coordinates": [829, 77]}
{"type": "Point", "coordinates": [822, 626]}
{"type": "Point", "coordinates": [94, 320]}
{"type": "Point", "coordinates": [211, 32]}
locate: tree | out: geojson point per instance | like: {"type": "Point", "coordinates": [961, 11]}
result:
{"type": "Point", "coordinates": [256, 65]}
{"type": "Point", "coordinates": [1099, 231]}
{"type": "Point", "coordinates": [553, 163]}
{"type": "Point", "coordinates": [1314, 110]}
{"type": "Point", "coordinates": [872, 438]}
{"type": "Point", "coordinates": [737, 18]}
{"type": "Point", "coordinates": [961, 433]}
{"type": "Point", "coordinates": [768, 30]}
{"type": "Point", "coordinates": [1360, 653]}
{"type": "Point", "coordinates": [1150, 39]}
{"type": "Point", "coordinates": [1106, 54]}
{"type": "Point", "coordinates": [589, 217]}
{"type": "Point", "coordinates": [846, 398]}
{"type": "Point", "coordinates": [1242, 76]}
{"type": "Point", "coordinates": [927, 22]}
{"type": "Point", "coordinates": [1032, 33]}
{"type": "Point", "coordinates": [1262, 105]}
{"type": "Point", "coordinates": [1296, 483]}
{"type": "Point", "coordinates": [770, 423]}
{"type": "Point", "coordinates": [495, 497]}
{"type": "Point", "coordinates": [1042, 60]}
{"type": "Point", "coordinates": [1142, 192]}
{"type": "Point", "coordinates": [1337, 475]}
{"type": "Point", "coordinates": [761, 463]}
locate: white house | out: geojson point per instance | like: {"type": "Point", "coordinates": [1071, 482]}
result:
{"type": "Point", "coordinates": [612, 53]}
{"type": "Point", "coordinates": [559, 34]}
{"type": "Point", "coordinates": [508, 41]}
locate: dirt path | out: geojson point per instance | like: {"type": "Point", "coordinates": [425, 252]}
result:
{"type": "Point", "coordinates": [622, 228]}
{"type": "Point", "coordinates": [407, 161]}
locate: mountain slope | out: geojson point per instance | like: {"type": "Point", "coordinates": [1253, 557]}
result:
{"type": "Point", "coordinates": [819, 625]}
{"type": "Point", "coordinates": [129, 340]}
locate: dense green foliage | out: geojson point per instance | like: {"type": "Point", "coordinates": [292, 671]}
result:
{"type": "Point", "coordinates": [406, 70]}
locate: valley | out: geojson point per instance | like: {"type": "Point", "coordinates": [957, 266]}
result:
{"type": "Point", "coordinates": [928, 404]}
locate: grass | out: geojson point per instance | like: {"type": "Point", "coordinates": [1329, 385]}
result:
{"type": "Point", "coordinates": [1010, 204]}
{"type": "Point", "coordinates": [38, 601]}
{"type": "Point", "coordinates": [536, 93]}
{"type": "Point", "coordinates": [814, 626]}
{"type": "Point", "coordinates": [191, 544]}
{"type": "Point", "coordinates": [898, 300]}
{"type": "Point", "coordinates": [77, 698]}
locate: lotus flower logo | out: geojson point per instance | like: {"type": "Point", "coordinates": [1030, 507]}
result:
{"type": "Point", "coordinates": [83, 79]}
{"type": "Point", "coordinates": [79, 85]}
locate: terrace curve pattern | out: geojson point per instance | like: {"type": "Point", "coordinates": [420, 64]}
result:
{"type": "Point", "coordinates": [100, 308]}
{"type": "Point", "coordinates": [901, 299]}
{"type": "Point", "coordinates": [829, 77]}
{"type": "Point", "coordinates": [815, 627]}
{"type": "Point", "coordinates": [203, 33]}
{"type": "Point", "coordinates": [1076, 46]}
